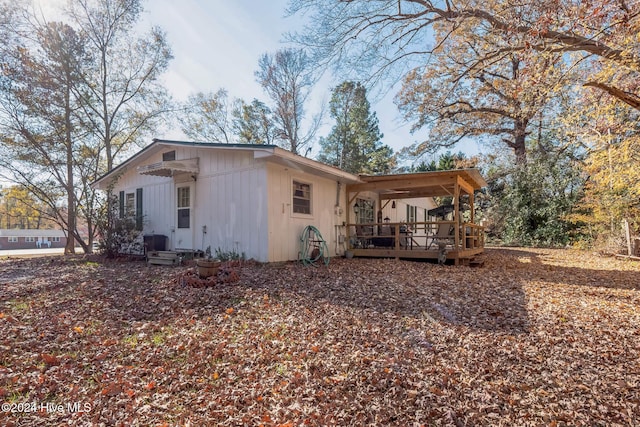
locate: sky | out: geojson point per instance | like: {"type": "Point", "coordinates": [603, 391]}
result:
{"type": "Point", "coordinates": [216, 45]}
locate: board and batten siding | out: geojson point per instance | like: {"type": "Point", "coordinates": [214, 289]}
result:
{"type": "Point", "coordinates": [157, 200]}
{"type": "Point", "coordinates": [229, 199]}
{"type": "Point", "coordinates": [285, 226]}
{"type": "Point", "coordinates": [233, 207]}
{"type": "Point", "coordinates": [240, 203]}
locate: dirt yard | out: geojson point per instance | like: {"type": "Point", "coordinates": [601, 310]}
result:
{"type": "Point", "coordinates": [535, 337]}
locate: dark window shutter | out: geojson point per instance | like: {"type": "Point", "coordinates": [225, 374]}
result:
{"type": "Point", "coordinates": [139, 209]}
{"type": "Point", "coordinates": [121, 205]}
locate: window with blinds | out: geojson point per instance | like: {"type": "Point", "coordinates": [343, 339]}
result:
{"type": "Point", "coordinates": [301, 198]}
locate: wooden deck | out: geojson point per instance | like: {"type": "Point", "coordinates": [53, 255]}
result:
{"type": "Point", "coordinates": [446, 233]}
{"type": "Point", "coordinates": [420, 240]}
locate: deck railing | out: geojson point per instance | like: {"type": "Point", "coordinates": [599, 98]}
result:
{"type": "Point", "coordinates": [420, 235]}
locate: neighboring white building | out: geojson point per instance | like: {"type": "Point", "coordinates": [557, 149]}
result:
{"type": "Point", "coordinates": [255, 199]}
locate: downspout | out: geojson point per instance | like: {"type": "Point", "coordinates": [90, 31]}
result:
{"type": "Point", "coordinates": [338, 212]}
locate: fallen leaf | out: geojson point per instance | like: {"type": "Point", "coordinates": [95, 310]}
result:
{"type": "Point", "coordinates": [111, 390]}
{"type": "Point", "coordinates": [49, 359]}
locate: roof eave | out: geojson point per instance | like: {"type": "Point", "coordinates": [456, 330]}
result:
{"type": "Point", "coordinates": [259, 150]}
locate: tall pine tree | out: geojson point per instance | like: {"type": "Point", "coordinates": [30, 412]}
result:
{"type": "Point", "coordinates": [354, 144]}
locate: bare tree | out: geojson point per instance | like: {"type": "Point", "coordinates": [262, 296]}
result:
{"type": "Point", "coordinates": [207, 117]}
{"type": "Point", "coordinates": [377, 37]}
{"type": "Point", "coordinates": [286, 77]}
{"type": "Point", "coordinates": [125, 98]}
{"type": "Point", "coordinates": [40, 139]}
{"type": "Point", "coordinates": [253, 123]}
{"type": "Point", "coordinates": [76, 95]}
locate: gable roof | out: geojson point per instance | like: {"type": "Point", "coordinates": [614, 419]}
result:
{"type": "Point", "coordinates": [271, 153]}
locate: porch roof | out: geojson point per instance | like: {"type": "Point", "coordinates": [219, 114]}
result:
{"type": "Point", "coordinates": [422, 184]}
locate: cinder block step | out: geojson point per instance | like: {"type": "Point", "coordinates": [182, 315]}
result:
{"type": "Point", "coordinates": [163, 258]}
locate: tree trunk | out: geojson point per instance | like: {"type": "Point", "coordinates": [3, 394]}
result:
{"type": "Point", "coordinates": [71, 199]}
{"type": "Point", "coordinates": [519, 141]}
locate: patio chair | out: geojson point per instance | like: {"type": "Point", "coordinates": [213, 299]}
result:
{"type": "Point", "coordinates": [360, 236]}
{"type": "Point", "coordinates": [444, 235]}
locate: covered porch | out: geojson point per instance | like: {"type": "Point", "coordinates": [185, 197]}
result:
{"type": "Point", "coordinates": [448, 230]}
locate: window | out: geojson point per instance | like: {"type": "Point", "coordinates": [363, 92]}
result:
{"type": "Point", "coordinates": [169, 156]}
{"type": "Point", "coordinates": [29, 239]}
{"type": "Point", "coordinates": [130, 204]}
{"type": "Point", "coordinates": [366, 211]}
{"type": "Point", "coordinates": [184, 207]}
{"type": "Point", "coordinates": [55, 239]}
{"type": "Point", "coordinates": [411, 214]}
{"type": "Point", "coordinates": [13, 239]}
{"type": "Point", "coordinates": [301, 198]}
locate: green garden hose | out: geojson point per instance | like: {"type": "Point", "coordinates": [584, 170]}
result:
{"type": "Point", "coordinates": [313, 248]}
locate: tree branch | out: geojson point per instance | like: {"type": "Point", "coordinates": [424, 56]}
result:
{"type": "Point", "coordinates": [627, 97]}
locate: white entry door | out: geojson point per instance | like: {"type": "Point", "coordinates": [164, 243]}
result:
{"type": "Point", "coordinates": [185, 193]}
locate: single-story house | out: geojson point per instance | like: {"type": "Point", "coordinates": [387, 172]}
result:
{"type": "Point", "coordinates": [31, 238]}
{"type": "Point", "coordinates": [251, 199]}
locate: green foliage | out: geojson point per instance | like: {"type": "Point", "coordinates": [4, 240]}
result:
{"type": "Point", "coordinates": [530, 204]}
{"type": "Point", "coordinates": [494, 70]}
{"type": "Point", "coordinates": [446, 161]}
{"type": "Point", "coordinates": [229, 255]}
{"type": "Point", "coordinates": [119, 235]}
{"type": "Point", "coordinates": [610, 133]}
{"type": "Point", "coordinates": [354, 144]}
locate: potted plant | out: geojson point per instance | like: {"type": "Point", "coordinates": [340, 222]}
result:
{"type": "Point", "coordinates": [207, 266]}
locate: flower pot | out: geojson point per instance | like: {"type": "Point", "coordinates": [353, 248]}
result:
{"type": "Point", "coordinates": [348, 254]}
{"type": "Point", "coordinates": [207, 268]}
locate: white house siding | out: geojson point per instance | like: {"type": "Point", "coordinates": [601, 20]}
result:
{"type": "Point", "coordinates": [233, 207]}
{"type": "Point", "coordinates": [157, 198]}
{"type": "Point", "coordinates": [242, 196]}
{"type": "Point", "coordinates": [229, 200]}
{"type": "Point", "coordinates": [286, 227]}
{"type": "Point", "coordinates": [399, 214]}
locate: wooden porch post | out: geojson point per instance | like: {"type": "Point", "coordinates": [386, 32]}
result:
{"type": "Point", "coordinates": [456, 213]}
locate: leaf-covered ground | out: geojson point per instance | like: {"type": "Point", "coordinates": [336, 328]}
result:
{"type": "Point", "coordinates": [535, 337]}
